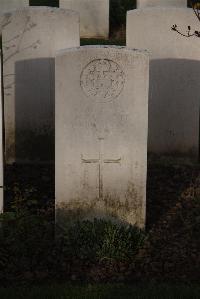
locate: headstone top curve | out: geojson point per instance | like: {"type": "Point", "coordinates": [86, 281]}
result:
{"type": "Point", "coordinates": [7, 5]}
{"type": "Point", "coordinates": [40, 8]}
{"type": "Point", "coordinates": [161, 3]}
{"type": "Point", "coordinates": [103, 47]}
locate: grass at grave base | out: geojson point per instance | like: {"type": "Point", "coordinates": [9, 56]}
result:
{"type": "Point", "coordinates": [106, 291]}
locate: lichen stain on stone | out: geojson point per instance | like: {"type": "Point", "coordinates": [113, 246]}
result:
{"type": "Point", "coordinates": [129, 208]}
{"type": "Point", "coordinates": [133, 199]}
{"type": "Point", "coordinates": [6, 20]}
{"type": "Point", "coordinates": [125, 210]}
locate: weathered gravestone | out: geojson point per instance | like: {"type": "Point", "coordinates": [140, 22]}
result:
{"type": "Point", "coordinates": [6, 5]}
{"type": "Point", "coordinates": [101, 133]}
{"type": "Point", "coordinates": [31, 37]}
{"type": "Point", "coordinates": [174, 77]}
{"type": "Point", "coordinates": [161, 3]}
{"type": "Point", "coordinates": [1, 148]}
{"type": "Point", "coordinates": [94, 16]}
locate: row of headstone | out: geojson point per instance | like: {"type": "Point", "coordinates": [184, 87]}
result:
{"type": "Point", "coordinates": [94, 14]}
{"type": "Point", "coordinates": [101, 98]}
{"type": "Point", "coordinates": [174, 74]}
{"type": "Point", "coordinates": [101, 113]}
{"type": "Point", "coordinates": [174, 69]}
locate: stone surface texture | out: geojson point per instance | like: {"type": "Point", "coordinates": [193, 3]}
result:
{"type": "Point", "coordinates": [31, 37]}
{"type": "Point", "coordinates": [101, 133]}
{"type": "Point", "coordinates": [6, 5]}
{"type": "Point", "coordinates": [174, 77]}
{"type": "Point", "coordinates": [94, 16]}
{"type": "Point", "coordinates": [161, 3]}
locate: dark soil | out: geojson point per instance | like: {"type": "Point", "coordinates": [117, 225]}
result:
{"type": "Point", "coordinates": [172, 249]}
{"type": "Point", "coordinates": [31, 182]}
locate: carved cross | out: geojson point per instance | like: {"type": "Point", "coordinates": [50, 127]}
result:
{"type": "Point", "coordinates": [100, 161]}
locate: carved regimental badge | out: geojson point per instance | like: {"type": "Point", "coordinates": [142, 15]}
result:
{"type": "Point", "coordinates": [102, 79]}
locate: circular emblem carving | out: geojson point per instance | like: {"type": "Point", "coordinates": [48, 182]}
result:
{"type": "Point", "coordinates": [102, 79]}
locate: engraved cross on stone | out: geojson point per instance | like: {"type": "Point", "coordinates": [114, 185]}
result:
{"type": "Point", "coordinates": [100, 161]}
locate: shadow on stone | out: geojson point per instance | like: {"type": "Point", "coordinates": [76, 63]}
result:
{"type": "Point", "coordinates": [35, 110]}
{"type": "Point", "coordinates": [174, 104]}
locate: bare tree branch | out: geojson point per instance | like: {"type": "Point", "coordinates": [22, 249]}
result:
{"type": "Point", "coordinates": [196, 8]}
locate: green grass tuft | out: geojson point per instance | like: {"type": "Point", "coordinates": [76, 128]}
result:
{"type": "Point", "coordinates": [106, 291]}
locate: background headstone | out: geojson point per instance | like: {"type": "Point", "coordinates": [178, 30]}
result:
{"type": "Point", "coordinates": [101, 133]}
{"type": "Point", "coordinates": [161, 3]}
{"type": "Point", "coordinates": [6, 5]}
{"type": "Point", "coordinates": [31, 37]}
{"type": "Point", "coordinates": [174, 77]}
{"type": "Point", "coordinates": [94, 16]}
{"type": "Point", "coordinates": [1, 149]}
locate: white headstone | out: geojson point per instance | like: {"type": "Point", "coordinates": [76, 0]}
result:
{"type": "Point", "coordinates": [161, 3]}
{"type": "Point", "coordinates": [174, 77]}
{"type": "Point", "coordinates": [6, 5]}
{"type": "Point", "coordinates": [101, 133]}
{"type": "Point", "coordinates": [94, 16]}
{"type": "Point", "coordinates": [31, 37]}
{"type": "Point", "coordinates": [1, 149]}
